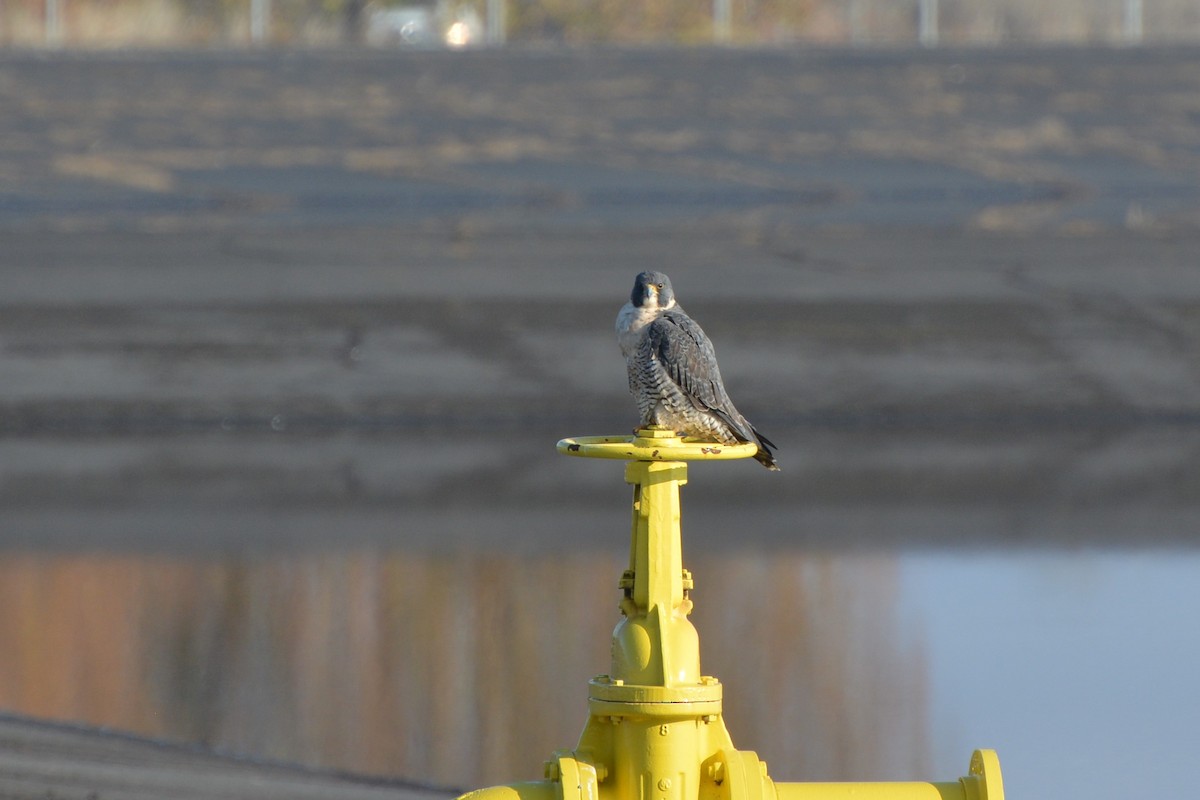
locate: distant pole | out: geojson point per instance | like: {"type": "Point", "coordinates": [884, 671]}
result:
{"type": "Point", "coordinates": [722, 21]}
{"type": "Point", "coordinates": [352, 22]}
{"type": "Point", "coordinates": [1134, 17]}
{"type": "Point", "coordinates": [54, 23]}
{"type": "Point", "coordinates": [497, 22]}
{"type": "Point", "coordinates": [927, 22]}
{"type": "Point", "coordinates": [857, 14]}
{"type": "Point", "coordinates": [260, 20]}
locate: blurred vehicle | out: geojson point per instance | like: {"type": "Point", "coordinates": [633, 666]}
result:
{"type": "Point", "coordinates": [424, 26]}
{"type": "Point", "coordinates": [407, 26]}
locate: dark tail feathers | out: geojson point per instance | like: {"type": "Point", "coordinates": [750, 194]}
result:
{"type": "Point", "coordinates": [766, 451]}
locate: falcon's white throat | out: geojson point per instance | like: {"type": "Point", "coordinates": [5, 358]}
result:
{"type": "Point", "coordinates": [632, 321]}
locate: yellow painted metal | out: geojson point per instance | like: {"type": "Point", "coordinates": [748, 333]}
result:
{"type": "Point", "coordinates": [983, 782]}
{"type": "Point", "coordinates": [653, 444]}
{"type": "Point", "coordinates": [949, 790]}
{"type": "Point", "coordinates": [655, 729]}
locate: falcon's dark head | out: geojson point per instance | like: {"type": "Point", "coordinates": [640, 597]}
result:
{"type": "Point", "coordinates": [652, 290]}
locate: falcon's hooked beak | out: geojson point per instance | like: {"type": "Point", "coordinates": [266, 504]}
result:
{"type": "Point", "coordinates": [657, 297]}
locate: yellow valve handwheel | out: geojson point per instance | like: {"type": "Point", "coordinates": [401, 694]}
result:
{"type": "Point", "coordinates": [651, 444]}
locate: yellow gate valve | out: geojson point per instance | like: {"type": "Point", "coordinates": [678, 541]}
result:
{"type": "Point", "coordinates": [655, 730]}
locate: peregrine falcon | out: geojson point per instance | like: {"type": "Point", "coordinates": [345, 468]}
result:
{"type": "Point", "coordinates": [673, 373]}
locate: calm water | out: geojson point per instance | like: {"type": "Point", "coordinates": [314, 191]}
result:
{"type": "Point", "coordinates": [1078, 667]}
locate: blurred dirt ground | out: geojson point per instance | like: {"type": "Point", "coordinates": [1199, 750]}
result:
{"type": "Point", "coordinates": [43, 760]}
{"type": "Point", "coordinates": [280, 299]}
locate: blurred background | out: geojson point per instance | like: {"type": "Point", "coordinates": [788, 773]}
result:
{"type": "Point", "coordinates": [459, 23]}
{"type": "Point", "coordinates": [297, 297]}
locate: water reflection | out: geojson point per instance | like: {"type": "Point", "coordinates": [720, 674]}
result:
{"type": "Point", "coordinates": [418, 665]}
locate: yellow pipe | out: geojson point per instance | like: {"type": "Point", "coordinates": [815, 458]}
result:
{"type": "Point", "coordinates": [983, 782]}
{"type": "Point", "coordinates": [869, 791]}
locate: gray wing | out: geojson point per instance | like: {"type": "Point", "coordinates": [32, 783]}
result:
{"type": "Point", "coordinates": [681, 347]}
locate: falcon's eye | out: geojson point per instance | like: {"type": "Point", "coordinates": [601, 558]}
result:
{"type": "Point", "coordinates": [660, 285]}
